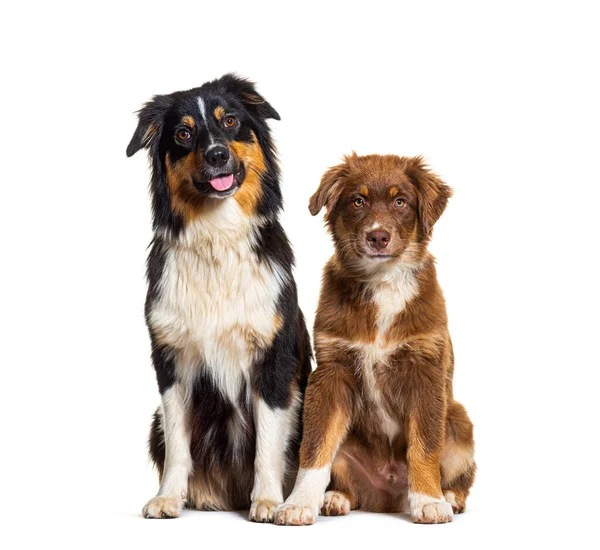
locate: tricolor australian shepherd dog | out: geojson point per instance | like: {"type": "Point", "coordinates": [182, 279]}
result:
{"type": "Point", "coordinates": [229, 343]}
{"type": "Point", "coordinates": [382, 431]}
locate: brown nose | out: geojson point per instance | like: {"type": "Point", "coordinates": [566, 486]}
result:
{"type": "Point", "coordinates": [378, 239]}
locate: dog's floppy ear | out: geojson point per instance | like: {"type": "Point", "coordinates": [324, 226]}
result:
{"type": "Point", "coordinates": [246, 91]}
{"type": "Point", "coordinates": [151, 118]}
{"type": "Point", "coordinates": [433, 193]}
{"type": "Point", "coordinates": [329, 189]}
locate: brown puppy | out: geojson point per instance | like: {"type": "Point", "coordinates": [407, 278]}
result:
{"type": "Point", "coordinates": [381, 426]}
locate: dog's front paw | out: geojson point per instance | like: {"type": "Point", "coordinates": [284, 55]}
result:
{"type": "Point", "coordinates": [263, 511]}
{"type": "Point", "coordinates": [335, 504]}
{"type": "Point", "coordinates": [293, 514]}
{"type": "Point", "coordinates": [424, 509]}
{"type": "Point", "coordinates": [163, 507]}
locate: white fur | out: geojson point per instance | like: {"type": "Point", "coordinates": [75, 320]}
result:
{"type": "Point", "coordinates": [214, 292]}
{"type": "Point", "coordinates": [390, 295]}
{"type": "Point", "coordinates": [450, 497]}
{"type": "Point", "coordinates": [273, 430]}
{"type": "Point", "coordinates": [427, 509]}
{"type": "Point", "coordinates": [178, 461]}
{"type": "Point", "coordinates": [309, 491]}
{"type": "Point", "coordinates": [202, 108]}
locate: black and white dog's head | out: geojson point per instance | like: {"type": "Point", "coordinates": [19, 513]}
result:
{"type": "Point", "coordinates": [209, 144]}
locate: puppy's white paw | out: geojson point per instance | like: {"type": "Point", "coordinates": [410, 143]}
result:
{"type": "Point", "coordinates": [163, 507]}
{"type": "Point", "coordinates": [335, 504]}
{"type": "Point", "coordinates": [425, 509]}
{"type": "Point", "coordinates": [293, 514]}
{"type": "Point", "coordinates": [263, 511]}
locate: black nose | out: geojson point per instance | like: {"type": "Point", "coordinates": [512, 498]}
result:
{"type": "Point", "coordinates": [217, 156]}
{"type": "Point", "coordinates": [378, 239]}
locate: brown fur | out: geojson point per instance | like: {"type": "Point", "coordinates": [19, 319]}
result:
{"type": "Point", "coordinates": [188, 121]}
{"type": "Point", "coordinates": [252, 156]}
{"type": "Point", "coordinates": [219, 112]}
{"type": "Point", "coordinates": [431, 450]}
{"type": "Point", "coordinates": [185, 199]}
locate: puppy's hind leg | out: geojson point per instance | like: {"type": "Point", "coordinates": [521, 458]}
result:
{"type": "Point", "coordinates": [340, 497]}
{"type": "Point", "coordinates": [457, 465]}
{"type": "Point", "coordinates": [177, 461]}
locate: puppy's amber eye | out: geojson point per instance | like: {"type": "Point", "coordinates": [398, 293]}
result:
{"type": "Point", "coordinates": [229, 121]}
{"type": "Point", "coordinates": [184, 135]}
{"type": "Point", "coordinates": [399, 203]}
{"type": "Point", "coordinates": [359, 203]}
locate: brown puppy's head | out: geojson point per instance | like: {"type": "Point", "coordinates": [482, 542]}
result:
{"type": "Point", "coordinates": [380, 208]}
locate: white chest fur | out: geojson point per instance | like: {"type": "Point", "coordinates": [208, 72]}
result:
{"type": "Point", "coordinates": [217, 304]}
{"type": "Point", "coordinates": [390, 298]}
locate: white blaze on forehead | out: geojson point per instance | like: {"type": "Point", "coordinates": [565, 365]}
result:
{"type": "Point", "coordinates": [202, 108]}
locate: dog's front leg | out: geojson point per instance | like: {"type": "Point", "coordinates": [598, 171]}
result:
{"type": "Point", "coordinates": [273, 431]}
{"type": "Point", "coordinates": [178, 462]}
{"type": "Point", "coordinates": [425, 429]}
{"type": "Point", "coordinates": [327, 416]}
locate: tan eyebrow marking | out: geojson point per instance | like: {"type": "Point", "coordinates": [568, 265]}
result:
{"type": "Point", "coordinates": [188, 121]}
{"type": "Point", "coordinates": [364, 190]}
{"type": "Point", "coordinates": [219, 112]}
{"type": "Point", "coordinates": [393, 191]}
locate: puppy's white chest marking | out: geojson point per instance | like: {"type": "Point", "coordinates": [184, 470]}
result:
{"type": "Point", "coordinates": [217, 304]}
{"type": "Point", "coordinates": [390, 297]}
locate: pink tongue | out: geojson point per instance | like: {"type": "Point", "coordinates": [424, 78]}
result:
{"type": "Point", "coordinates": [221, 184]}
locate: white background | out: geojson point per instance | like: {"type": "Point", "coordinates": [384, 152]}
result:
{"type": "Point", "coordinates": [501, 98]}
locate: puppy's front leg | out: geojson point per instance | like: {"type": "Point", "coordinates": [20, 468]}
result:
{"type": "Point", "coordinates": [274, 427]}
{"type": "Point", "coordinates": [178, 462]}
{"type": "Point", "coordinates": [425, 436]}
{"type": "Point", "coordinates": [327, 416]}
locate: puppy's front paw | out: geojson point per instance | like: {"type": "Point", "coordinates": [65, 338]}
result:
{"type": "Point", "coordinates": [335, 504]}
{"type": "Point", "coordinates": [293, 514]}
{"type": "Point", "coordinates": [163, 507]}
{"type": "Point", "coordinates": [424, 509]}
{"type": "Point", "coordinates": [263, 511]}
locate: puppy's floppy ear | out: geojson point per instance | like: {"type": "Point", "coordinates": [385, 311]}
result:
{"type": "Point", "coordinates": [433, 193]}
{"type": "Point", "coordinates": [329, 189]}
{"type": "Point", "coordinates": [246, 91]}
{"type": "Point", "coordinates": [151, 119]}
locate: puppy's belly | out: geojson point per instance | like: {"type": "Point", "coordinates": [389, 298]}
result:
{"type": "Point", "coordinates": [374, 475]}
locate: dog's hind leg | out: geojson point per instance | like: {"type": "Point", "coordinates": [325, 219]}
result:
{"type": "Point", "coordinates": [177, 465]}
{"type": "Point", "coordinates": [457, 465]}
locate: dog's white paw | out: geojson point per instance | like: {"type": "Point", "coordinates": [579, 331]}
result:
{"type": "Point", "coordinates": [293, 514]}
{"type": "Point", "coordinates": [425, 509]}
{"type": "Point", "coordinates": [335, 504]}
{"type": "Point", "coordinates": [263, 511]}
{"type": "Point", "coordinates": [163, 507]}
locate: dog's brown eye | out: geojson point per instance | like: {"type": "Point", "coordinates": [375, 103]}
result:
{"type": "Point", "coordinates": [229, 122]}
{"type": "Point", "coordinates": [184, 135]}
{"type": "Point", "coordinates": [399, 203]}
{"type": "Point", "coordinates": [359, 203]}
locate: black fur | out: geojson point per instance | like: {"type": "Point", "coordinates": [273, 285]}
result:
{"type": "Point", "coordinates": [159, 117]}
{"type": "Point", "coordinates": [287, 361]}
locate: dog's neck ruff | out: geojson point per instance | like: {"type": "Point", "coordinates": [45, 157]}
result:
{"type": "Point", "coordinates": [222, 225]}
